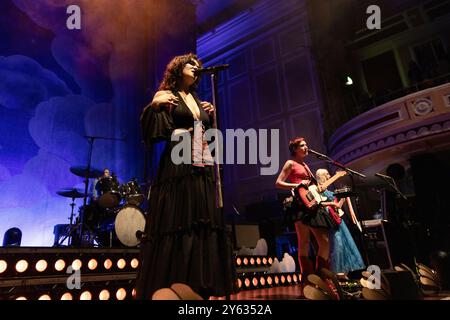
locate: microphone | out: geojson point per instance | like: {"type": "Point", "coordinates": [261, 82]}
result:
{"type": "Point", "coordinates": [212, 69]}
{"type": "Point", "coordinates": [317, 153]}
{"type": "Point", "coordinates": [141, 236]}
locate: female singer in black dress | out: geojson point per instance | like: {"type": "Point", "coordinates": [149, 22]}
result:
{"type": "Point", "coordinates": [186, 238]}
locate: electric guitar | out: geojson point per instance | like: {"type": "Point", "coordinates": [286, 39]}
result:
{"type": "Point", "coordinates": [310, 197]}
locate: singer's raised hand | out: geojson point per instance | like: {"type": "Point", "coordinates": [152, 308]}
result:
{"type": "Point", "coordinates": [208, 107]}
{"type": "Point", "coordinates": [164, 98]}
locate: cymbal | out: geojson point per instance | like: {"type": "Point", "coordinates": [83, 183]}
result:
{"type": "Point", "coordinates": [71, 193]}
{"type": "Point", "coordinates": [82, 170]}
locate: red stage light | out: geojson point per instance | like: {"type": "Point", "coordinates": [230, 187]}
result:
{"type": "Point", "coordinates": [262, 281]}
{"type": "Point", "coordinates": [289, 278]}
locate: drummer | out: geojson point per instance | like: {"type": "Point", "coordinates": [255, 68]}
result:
{"type": "Point", "coordinates": [96, 191]}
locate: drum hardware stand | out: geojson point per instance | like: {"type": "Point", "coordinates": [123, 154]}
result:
{"type": "Point", "coordinates": [71, 213]}
{"type": "Point", "coordinates": [91, 140]}
{"type": "Point", "coordinates": [71, 228]}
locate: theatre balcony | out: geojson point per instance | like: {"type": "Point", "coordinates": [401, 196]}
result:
{"type": "Point", "coordinates": [395, 130]}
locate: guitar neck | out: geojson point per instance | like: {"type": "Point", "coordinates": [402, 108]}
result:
{"type": "Point", "coordinates": [330, 181]}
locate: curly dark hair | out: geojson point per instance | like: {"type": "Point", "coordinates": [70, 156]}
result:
{"type": "Point", "coordinates": [294, 143]}
{"type": "Point", "coordinates": [174, 73]}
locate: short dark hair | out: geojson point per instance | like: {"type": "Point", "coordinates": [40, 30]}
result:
{"type": "Point", "coordinates": [294, 143]}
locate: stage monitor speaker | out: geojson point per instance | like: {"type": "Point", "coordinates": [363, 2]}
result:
{"type": "Point", "coordinates": [247, 235]}
{"type": "Point", "coordinates": [402, 285]}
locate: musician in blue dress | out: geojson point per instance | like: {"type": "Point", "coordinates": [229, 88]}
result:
{"type": "Point", "coordinates": [344, 254]}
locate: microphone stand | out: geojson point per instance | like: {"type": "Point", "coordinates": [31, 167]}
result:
{"type": "Point", "coordinates": [399, 220]}
{"type": "Point", "coordinates": [391, 182]}
{"type": "Point", "coordinates": [352, 173]}
{"type": "Point", "coordinates": [335, 163]}
{"type": "Point", "coordinates": [215, 100]}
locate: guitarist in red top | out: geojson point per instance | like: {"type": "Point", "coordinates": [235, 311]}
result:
{"type": "Point", "coordinates": [311, 218]}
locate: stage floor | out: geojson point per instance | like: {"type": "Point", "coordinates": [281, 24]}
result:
{"type": "Point", "coordinates": [276, 293]}
{"type": "Point", "coordinates": [294, 293]}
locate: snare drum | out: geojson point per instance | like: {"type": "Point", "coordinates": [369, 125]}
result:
{"type": "Point", "coordinates": [109, 193]}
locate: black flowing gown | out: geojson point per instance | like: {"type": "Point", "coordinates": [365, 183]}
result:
{"type": "Point", "coordinates": [187, 239]}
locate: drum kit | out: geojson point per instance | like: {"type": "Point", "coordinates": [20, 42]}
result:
{"type": "Point", "coordinates": [112, 217]}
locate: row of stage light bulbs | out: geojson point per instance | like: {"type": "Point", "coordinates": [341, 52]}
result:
{"type": "Point", "coordinates": [267, 280]}
{"type": "Point", "coordinates": [245, 261]}
{"type": "Point", "coordinates": [121, 294]}
{"type": "Point", "coordinates": [41, 265]}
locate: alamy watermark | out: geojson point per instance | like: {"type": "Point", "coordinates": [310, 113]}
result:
{"type": "Point", "coordinates": [73, 22]}
{"type": "Point", "coordinates": [74, 280]}
{"type": "Point", "coordinates": [374, 20]}
{"type": "Point", "coordinates": [198, 148]}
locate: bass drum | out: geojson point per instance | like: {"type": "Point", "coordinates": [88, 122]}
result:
{"type": "Point", "coordinates": [130, 225]}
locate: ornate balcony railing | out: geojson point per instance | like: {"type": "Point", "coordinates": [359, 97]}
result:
{"type": "Point", "coordinates": [414, 116]}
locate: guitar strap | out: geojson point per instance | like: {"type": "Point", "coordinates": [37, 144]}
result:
{"type": "Point", "coordinates": [313, 178]}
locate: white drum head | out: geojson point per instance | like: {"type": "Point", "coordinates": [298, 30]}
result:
{"type": "Point", "coordinates": [129, 220]}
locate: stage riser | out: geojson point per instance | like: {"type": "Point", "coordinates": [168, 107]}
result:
{"type": "Point", "coordinates": [80, 274]}
{"type": "Point", "coordinates": [118, 279]}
